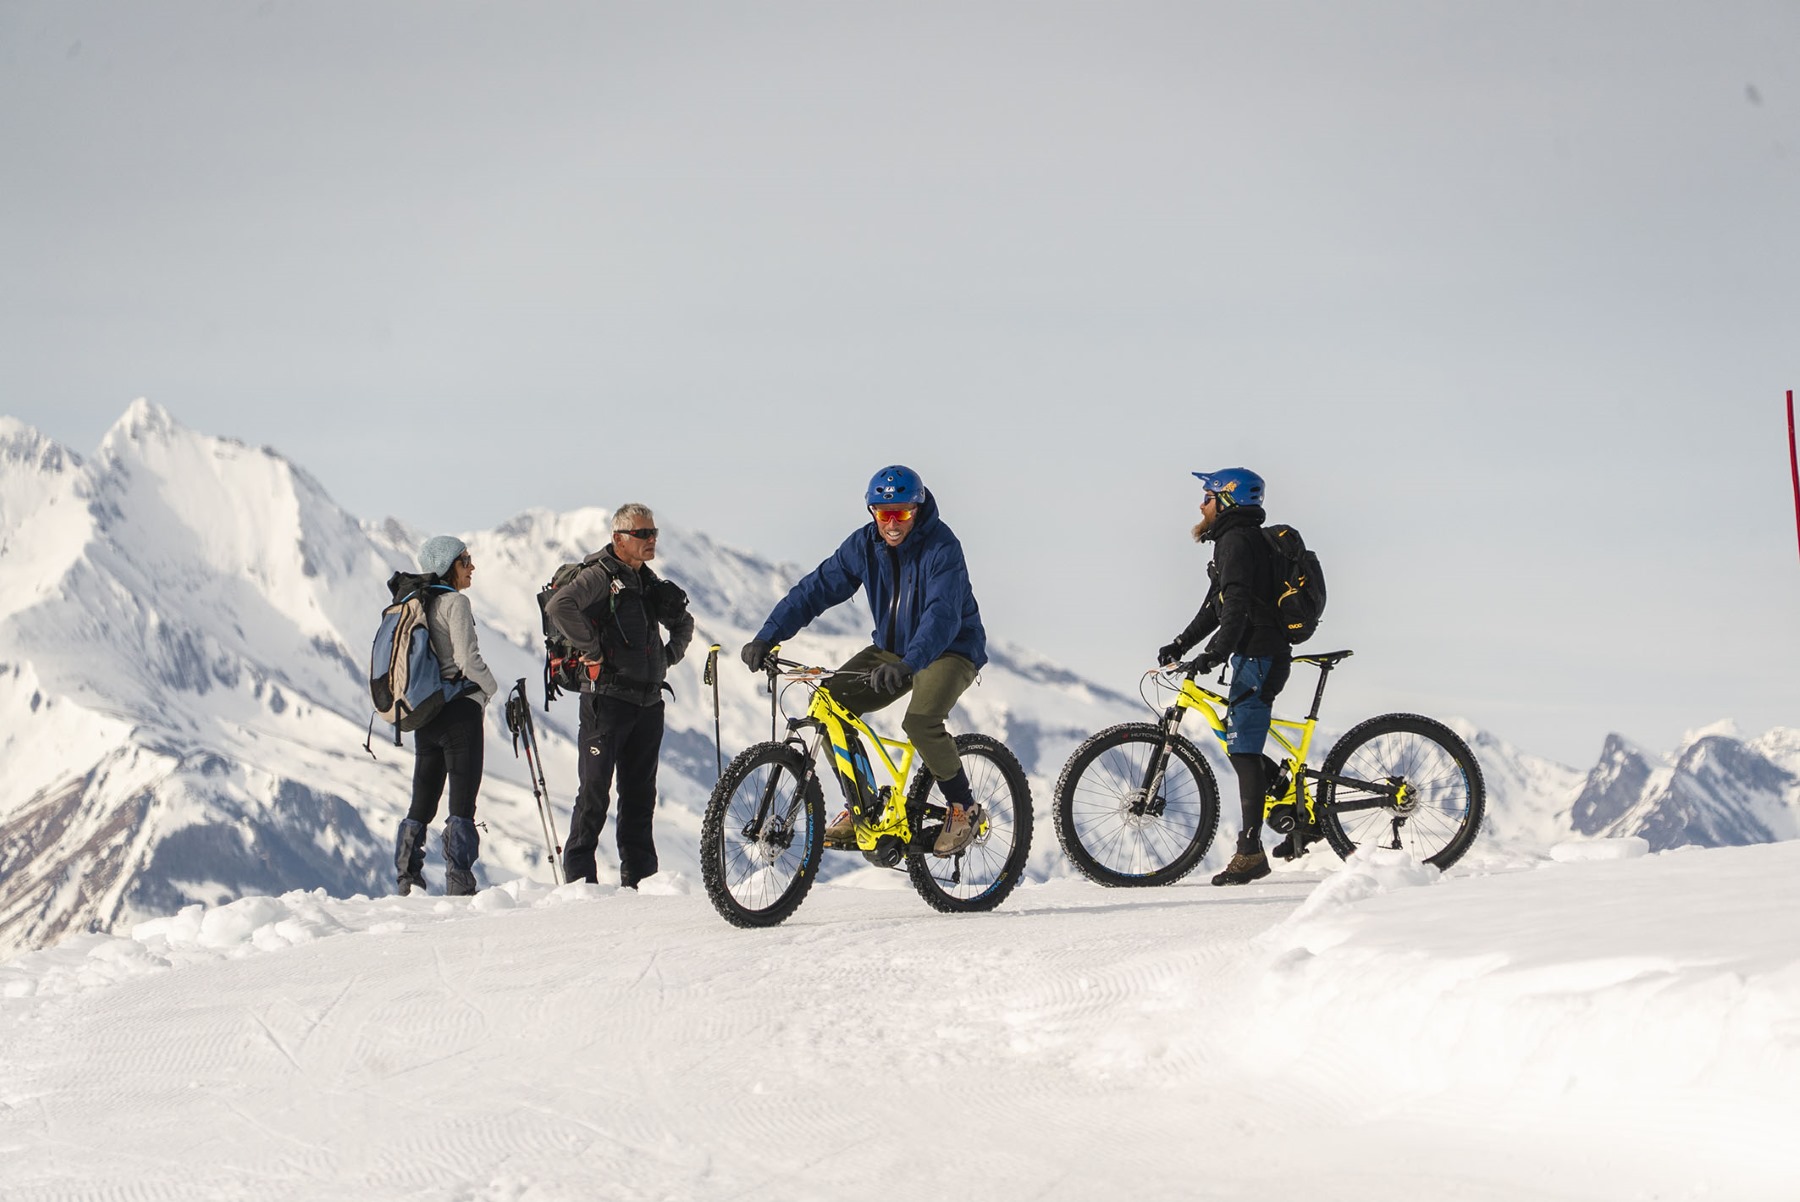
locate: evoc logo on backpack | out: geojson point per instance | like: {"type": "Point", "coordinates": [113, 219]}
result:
{"type": "Point", "coordinates": [1299, 584]}
{"type": "Point", "coordinates": [406, 678]}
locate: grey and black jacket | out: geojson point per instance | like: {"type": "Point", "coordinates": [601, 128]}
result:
{"type": "Point", "coordinates": [615, 614]}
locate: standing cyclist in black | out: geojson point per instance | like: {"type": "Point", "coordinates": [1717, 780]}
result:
{"type": "Point", "coordinates": [1240, 606]}
{"type": "Point", "coordinates": [612, 613]}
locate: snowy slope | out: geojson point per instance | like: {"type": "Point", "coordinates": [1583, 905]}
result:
{"type": "Point", "coordinates": [1625, 1027]}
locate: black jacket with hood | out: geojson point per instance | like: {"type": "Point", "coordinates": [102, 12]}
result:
{"type": "Point", "coordinates": [1240, 598]}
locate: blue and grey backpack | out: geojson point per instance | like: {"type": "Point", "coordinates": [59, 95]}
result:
{"type": "Point", "coordinates": [407, 681]}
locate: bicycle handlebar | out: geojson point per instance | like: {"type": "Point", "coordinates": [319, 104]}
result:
{"type": "Point", "coordinates": [794, 669]}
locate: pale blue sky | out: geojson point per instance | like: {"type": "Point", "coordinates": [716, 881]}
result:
{"type": "Point", "coordinates": [1501, 298]}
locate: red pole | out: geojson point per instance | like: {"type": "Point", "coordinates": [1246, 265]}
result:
{"type": "Point", "coordinates": [1794, 461]}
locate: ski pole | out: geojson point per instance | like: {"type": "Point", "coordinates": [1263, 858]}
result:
{"type": "Point", "coordinates": [711, 677]}
{"type": "Point", "coordinates": [518, 720]}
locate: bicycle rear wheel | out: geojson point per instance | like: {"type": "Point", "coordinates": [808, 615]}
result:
{"type": "Point", "coordinates": [762, 836]}
{"type": "Point", "coordinates": [1445, 796]}
{"type": "Point", "coordinates": [1117, 835]}
{"type": "Point", "coordinates": [980, 876]}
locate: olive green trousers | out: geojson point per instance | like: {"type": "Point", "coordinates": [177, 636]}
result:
{"type": "Point", "coordinates": [935, 688]}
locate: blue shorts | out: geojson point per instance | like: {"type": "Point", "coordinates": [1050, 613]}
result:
{"type": "Point", "coordinates": [1247, 716]}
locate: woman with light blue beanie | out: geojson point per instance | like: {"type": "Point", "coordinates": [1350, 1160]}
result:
{"type": "Point", "coordinates": [450, 746]}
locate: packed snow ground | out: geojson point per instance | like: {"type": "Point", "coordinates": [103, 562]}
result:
{"type": "Point", "coordinates": [1600, 1024]}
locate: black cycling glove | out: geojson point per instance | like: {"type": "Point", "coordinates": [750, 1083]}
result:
{"type": "Point", "coordinates": [754, 654]}
{"type": "Point", "coordinates": [890, 678]}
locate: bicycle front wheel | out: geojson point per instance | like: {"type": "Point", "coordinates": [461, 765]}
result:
{"type": "Point", "coordinates": [981, 875]}
{"type": "Point", "coordinates": [1438, 813]}
{"type": "Point", "coordinates": [762, 836]}
{"type": "Point", "coordinates": [1117, 826]}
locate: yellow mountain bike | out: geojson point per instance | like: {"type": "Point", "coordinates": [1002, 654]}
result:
{"type": "Point", "coordinates": [763, 834]}
{"type": "Point", "coordinates": [1137, 804]}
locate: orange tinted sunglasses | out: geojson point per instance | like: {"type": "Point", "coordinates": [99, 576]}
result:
{"type": "Point", "coordinates": [893, 513]}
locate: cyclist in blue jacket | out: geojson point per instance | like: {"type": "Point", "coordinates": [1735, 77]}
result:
{"type": "Point", "coordinates": [928, 636]}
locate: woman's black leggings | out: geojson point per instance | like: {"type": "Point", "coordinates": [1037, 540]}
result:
{"type": "Point", "coordinates": [450, 745]}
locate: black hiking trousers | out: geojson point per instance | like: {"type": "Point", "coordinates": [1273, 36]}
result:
{"type": "Point", "coordinates": [623, 739]}
{"type": "Point", "coordinates": [449, 746]}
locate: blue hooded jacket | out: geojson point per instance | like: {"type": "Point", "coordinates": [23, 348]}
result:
{"type": "Point", "coordinates": [919, 593]}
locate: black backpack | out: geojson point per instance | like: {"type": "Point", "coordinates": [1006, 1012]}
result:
{"type": "Point", "coordinates": [1299, 584]}
{"type": "Point", "coordinates": [563, 670]}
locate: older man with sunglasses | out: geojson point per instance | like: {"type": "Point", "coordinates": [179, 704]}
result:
{"type": "Point", "coordinates": [613, 613]}
{"type": "Point", "coordinates": [927, 638]}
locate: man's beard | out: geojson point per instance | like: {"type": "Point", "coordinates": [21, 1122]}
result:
{"type": "Point", "coordinates": [1201, 527]}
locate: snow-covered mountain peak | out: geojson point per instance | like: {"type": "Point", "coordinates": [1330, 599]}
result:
{"type": "Point", "coordinates": [45, 517]}
{"type": "Point", "coordinates": [589, 526]}
{"type": "Point", "coordinates": [143, 420]}
{"type": "Point", "coordinates": [27, 447]}
{"type": "Point", "coordinates": [1724, 727]}
{"type": "Point", "coordinates": [32, 468]}
{"type": "Point", "coordinates": [1780, 747]}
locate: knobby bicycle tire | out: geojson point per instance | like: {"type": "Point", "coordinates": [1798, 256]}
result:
{"type": "Point", "coordinates": [1107, 828]}
{"type": "Point", "coordinates": [1449, 795]}
{"type": "Point", "coordinates": [759, 882]}
{"type": "Point", "coordinates": [983, 874]}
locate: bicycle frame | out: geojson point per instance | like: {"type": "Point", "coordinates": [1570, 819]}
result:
{"type": "Point", "coordinates": [1295, 738]}
{"type": "Point", "coordinates": [876, 817]}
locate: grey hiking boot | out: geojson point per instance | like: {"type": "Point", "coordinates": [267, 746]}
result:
{"type": "Point", "coordinates": [1244, 868]}
{"type": "Point", "coordinates": [409, 857]}
{"type": "Point", "coordinates": [841, 834]}
{"type": "Point", "coordinates": [462, 844]}
{"type": "Point", "coordinates": [960, 825]}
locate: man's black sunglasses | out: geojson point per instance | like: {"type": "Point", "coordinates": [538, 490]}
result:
{"type": "Point", "coordinates": [643, 532]}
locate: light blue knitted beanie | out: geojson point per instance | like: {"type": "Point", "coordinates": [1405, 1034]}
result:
{"type": "Point", "coordinates": [438, 553]}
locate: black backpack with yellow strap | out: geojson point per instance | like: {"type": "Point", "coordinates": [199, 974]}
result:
{"type": "Point", "coordinates": [1299, 584]}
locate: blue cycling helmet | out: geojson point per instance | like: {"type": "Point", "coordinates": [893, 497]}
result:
{"type": "Point", "coordinates": [1233, 486]}
{"type": "Point", "coordinates": [895, 485]}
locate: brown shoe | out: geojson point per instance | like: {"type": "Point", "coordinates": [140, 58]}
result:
{"type": "Point", "coordinates": [841, 834]}
{"type": "Point", "coordinates": [959, 829]}
{"type": "Point", "coordinates": [1244, 868]}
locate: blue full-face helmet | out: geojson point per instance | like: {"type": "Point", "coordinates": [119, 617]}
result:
{"type": "Point", "coordinates": [895, 485]}
{"type": "Point", "coordinates": [1233, 486]}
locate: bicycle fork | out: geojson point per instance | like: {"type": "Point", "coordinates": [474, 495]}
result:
{"type": "Point", "coordinates": [780, 832]}
{"type": "Point", "coordinates": [1149, 801]}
